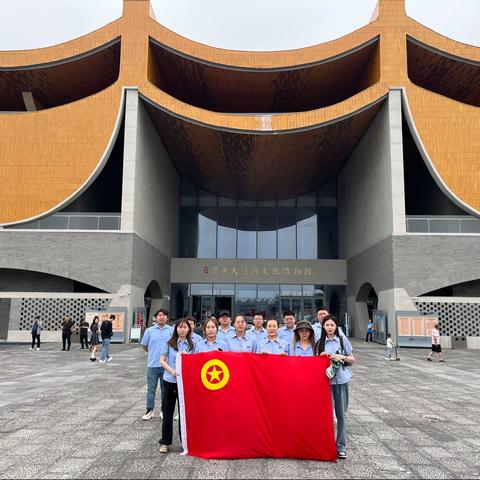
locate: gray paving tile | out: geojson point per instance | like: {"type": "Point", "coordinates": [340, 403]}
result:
{"type": "Point", "coordinates": [91, 428]}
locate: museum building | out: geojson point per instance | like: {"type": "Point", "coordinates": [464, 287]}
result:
{"type": "Point", "coordinates": [140, 169]}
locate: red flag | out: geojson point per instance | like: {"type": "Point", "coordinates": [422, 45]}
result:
{"type": "Point", "coordinates": [244, 405]}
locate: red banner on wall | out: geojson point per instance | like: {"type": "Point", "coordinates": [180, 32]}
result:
{"type": "Point", "coordinates": [244, 405]}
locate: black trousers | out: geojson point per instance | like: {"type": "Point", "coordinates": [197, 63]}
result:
{"type": "Point", "coordinates": [67, 339]}
{"type": "Point", "coordinates": [35, 336]}
{"type": "Point", "coordinates": [84, 341]}
{"type": "Point", "coordinates": [170, 398]}
{"type": "Point", "coordinates": [369, 335]}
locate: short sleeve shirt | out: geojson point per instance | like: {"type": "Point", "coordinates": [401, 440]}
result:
{"type": "Point", "coordinates": [241, 344]}
{"type": "Point", "coordinates": [154, 339]}
{"type": "Point", "coordinates": [344, 374]}
{"type": "Point", "coordinates": [171, 357]}
{"type": "Point", "coordinates": [204, 346]}
{"type": "Point", "coordinates": [277, 346]}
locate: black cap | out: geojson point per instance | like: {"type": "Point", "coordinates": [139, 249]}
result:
{"type": "Point", "coordinates": [224, 313]}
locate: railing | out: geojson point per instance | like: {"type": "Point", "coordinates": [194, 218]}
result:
{"type": "Point", "coordinates": [74, 221]}
{"type": "Point", "coordinates": [443, 224]}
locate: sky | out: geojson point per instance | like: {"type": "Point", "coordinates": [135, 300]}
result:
{"type": "Point", "coordinates": [232, 24]}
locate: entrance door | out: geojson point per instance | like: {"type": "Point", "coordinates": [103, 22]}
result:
{"type": "Point", "coordinates": [202, 307]}
{"type": "Point", "coordinates": [223, 303]}
{"type": "Point", "coordinates": [291, 303]}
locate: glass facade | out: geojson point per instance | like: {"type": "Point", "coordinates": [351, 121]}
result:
{"type": "Point", "coordinates": [303, 227]}
{"type": "Point", "coordinates": [205, 299]}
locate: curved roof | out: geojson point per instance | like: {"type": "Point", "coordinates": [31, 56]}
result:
{"type": "Point", "coordinates": [244, 114]}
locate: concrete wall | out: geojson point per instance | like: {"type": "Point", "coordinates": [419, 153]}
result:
{"type": "Point", "coordinates": [372, 209]}
{"type": "Point", "coordinates": [88, 257]}
{"type": "Point", "coordinates": [25, 281]}
{"type": "Point", "coordinates": [151, 184]}
{"type": "Point", "coordinates": [370, 187]}
{"type": "Point", "coordinates": [423, 263]}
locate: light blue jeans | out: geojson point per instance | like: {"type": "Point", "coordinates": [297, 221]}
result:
{"type": "Point", "coordinates": [388, 353]}
{"type": "Point", "coordinates": [105, 349]}
{"type": "Point", "coordinates": [340, 402]}
{"type": "Point", "coordinates": [154, 375]}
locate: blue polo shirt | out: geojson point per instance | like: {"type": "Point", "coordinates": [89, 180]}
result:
{"type": "Point", "coordinates": [317, 329]}
{"type": "Point", "coordinates": [196, 338]}
{"type": "Point", "coordinates": [241, 344]}
{"type": "Point", "coordinates": [257, 336]}
{"type": "Point", "coordinates": [298, 351]}
{"type": "Point", "coordinates": [171, 355]}
{"type": "Point", "coordinates": [285, 334]}
{"type": "Point", "coordinates": [224, 336]}
{"type": "Point", "coordinates": [277, 346]}
{"type": "Point", "coordinates": [332, 346]}
{"type": "Point", "coordinates": [204, 346]}
{"type": "Point", "coordinates": [154, 339]}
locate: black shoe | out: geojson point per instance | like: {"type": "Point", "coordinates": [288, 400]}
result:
{"type": "Point", "coordinates": [63, 349]}
{"type": "Point", "coordinates": [342, 455]}
{"type": "Point", "coordinates": [429, 359]}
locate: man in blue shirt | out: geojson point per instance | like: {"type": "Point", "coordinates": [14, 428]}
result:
{"type": "Point", "coordinates": [239, 341]}
{"type": "Point", "coordinates": [195, 336]}
{"type": "Point", "coordinates": [225, 330]}
{"type": "Point", "coordinates": [322, 312]}
{"type": "Point", "coordinates": [153, 342]}
{"type": "Point", "coordinates": [257, 332]}
{"type": "Point", "coordinates": [370, 326]}
{"type": "Point", "coordinates": [286, 332]}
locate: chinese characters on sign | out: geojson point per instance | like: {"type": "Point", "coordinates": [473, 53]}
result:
{"type": "Point", "coordinates": [258, 271]}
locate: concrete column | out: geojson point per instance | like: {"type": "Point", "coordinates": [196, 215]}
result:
{"type": "Point", "coordinates": [129, 159]}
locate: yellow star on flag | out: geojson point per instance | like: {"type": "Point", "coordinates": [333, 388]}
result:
{"type": "Point", "coordinates": [214, 374]}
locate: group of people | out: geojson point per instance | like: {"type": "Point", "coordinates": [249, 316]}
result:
{"type": "Point", "coordinates": [164, 342]}
{"type": "Point", "coordinates": [95, 329]}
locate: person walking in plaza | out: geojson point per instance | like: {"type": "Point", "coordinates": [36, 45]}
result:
{"type": "Point", "coordinates": [257, 332]}
{"type": "Point", "coordinates": [106, 330]}
{"type": "Point", "coordinates": [303, 340]}
{"type": "Point", "coordinates": [84, 327]}
{"type": "Point", "coordinates": [273, 344]}
{"type": "Point", "coordinates": [210, 342]}
{"type": "Point", "coordinates": [94, 341]}
{"type": "Point", "coordinates": [436, 347]}
{"type": "Point", "coordinates": [66, 327]}
{"type": "Point", "coordinates": [181, 342]}
{"type": "Point", "coordinates": [286, 332]}
{"type": "Point", "coordinates": [225, 330]}
{"type": "Point", "coordinates": [370, 326]}
{"type": "Point", "coordinates": [195, 336]}
{"type": "Point", "coordinates": [389, 348]}
{"type": "Point", "coordinates": [339, 349]}
{"type": "Point", "coordinates": [239, 342]}
{"type": "Point", "coordinates": [36, 331]}
{"type": "Point", "coordinates": [153, 341]}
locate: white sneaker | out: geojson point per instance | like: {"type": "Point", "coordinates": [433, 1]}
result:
{"type": "Point", "coordinates": [161, 415]}
{"type": "Point", "coordinates": [31, 348]}
{"type": "Point", "coordinates": [38, 348]}
{"type": "Point", "coordinates": [175, 418]}
{"type": "Point", "coordinates": [102, 361]}
{"type": "Point", "coordinates": [163, 449]}
{"type": "Point", "coordinates": [109, 359]}
{"type": "Point", "coordinates": [148, 415]}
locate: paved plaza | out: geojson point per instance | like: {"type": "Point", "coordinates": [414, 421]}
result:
{"type": "Point", "coordinates": [62, 416]}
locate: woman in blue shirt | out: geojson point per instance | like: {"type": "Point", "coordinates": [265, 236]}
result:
{"type": "Point", "coordinates": [303, 340]}
{"type": "Point", "coordinates": [273, 344]}
{"type": "Point", "coordinates": [181, 342]}
{"type": "Point", "coordinates": [210, 342]}
{"type": "Point", "coordinates": [338, 348]}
